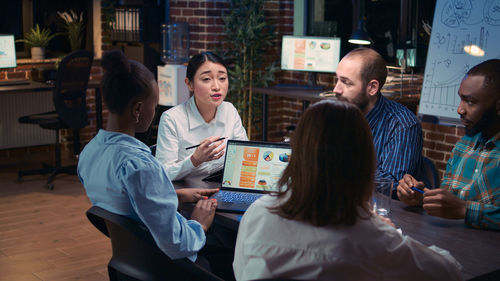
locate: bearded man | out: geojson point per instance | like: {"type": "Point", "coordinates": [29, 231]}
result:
{"type": "Point", "coordinates": [397, 134]}
{"type": "Point", "coordinates": [471, 186]}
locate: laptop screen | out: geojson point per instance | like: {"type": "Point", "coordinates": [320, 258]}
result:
{"type": "Point", "coordinates": [254, 166]}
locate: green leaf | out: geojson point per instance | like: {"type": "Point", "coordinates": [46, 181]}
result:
{"type": "Point", "coordinates": [248, 40]}
{"type": "Point", "coordinates": [38, 38]}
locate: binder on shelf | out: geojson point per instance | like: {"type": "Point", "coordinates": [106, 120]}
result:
{"type": "Point", "coordinates": [127, 25]}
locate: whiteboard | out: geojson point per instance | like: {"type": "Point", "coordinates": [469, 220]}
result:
{"type": "Point", "coordinates": [457, 24]}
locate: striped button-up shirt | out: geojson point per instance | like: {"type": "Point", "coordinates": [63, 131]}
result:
{"type": "Point", "coordinates": [397, 137]}
{"type": "Point", "coordinates": [473, 174]}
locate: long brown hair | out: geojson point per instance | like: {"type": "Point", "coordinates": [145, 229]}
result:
{"type": "Point", "coordinates": [331, 168]}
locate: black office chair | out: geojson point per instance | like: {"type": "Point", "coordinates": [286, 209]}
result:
{"type": "Point", "coordinates": [430, 172]}
{"type": "Point", "coordinates": [153, 149]}
{"type": "Point", "coordinates": [136, 255]}
{"type": "Point", "coordinates": [71, 111]}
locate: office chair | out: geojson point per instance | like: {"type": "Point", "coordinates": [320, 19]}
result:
{"type": "Point", "coordinates": [71, 111]}
{"type": "Point", "coordinates": [153, 149]}
{"type": "Point", "coordinates": [430, 172]}
{"type": "Point", "coordinates": [136, 255]}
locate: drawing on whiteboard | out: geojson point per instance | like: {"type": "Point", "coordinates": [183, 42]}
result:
{"type": "Point", "coordinates": [442, 94]}
{"type": "Point", "coordinates": [457, 13]}
{"type": "Point", "coordinates": [454, 44]}
{"type": "Point", "coordinates": [492, 12]}
{"type": "Point", "coordinates": [464, 33]}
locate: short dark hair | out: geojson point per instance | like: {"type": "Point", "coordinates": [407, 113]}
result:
{"type": "Point", "coordinates": [332, 165]}
{"type": "Point", "coordinates": [197, 60]}
{"type": "Point", "coordinates": [124, 80]}
{"type": "Point", "coordinates": [374, 66]}
{"type": "Point", "coordinates": [490, 70]}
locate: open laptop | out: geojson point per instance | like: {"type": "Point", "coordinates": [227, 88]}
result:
{"type": "Point", "coordinates": [251, 169]}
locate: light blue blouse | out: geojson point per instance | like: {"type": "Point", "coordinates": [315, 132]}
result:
{"type": "Point", "coordinates": [120, 175]}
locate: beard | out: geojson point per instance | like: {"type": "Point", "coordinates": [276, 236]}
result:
{"type": "Point", "coordinates": [361, 101]}
{"type": "Point", "coordinates": [487, 121]}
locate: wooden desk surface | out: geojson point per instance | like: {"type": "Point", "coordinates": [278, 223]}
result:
{"type": "Point", "coordinates": [477, 250]}
{"type": "Point", "coordinates": [308, 95]}
{"type": "Point", "coordinates": [35, 86]}
{"type": "Point", "coordinates": [293, 93]}
{"type": "Point", "coordinates": [314, 94]}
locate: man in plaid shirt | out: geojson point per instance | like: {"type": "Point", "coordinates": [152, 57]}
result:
{"type": "Point", "coordinates": [471, 186]}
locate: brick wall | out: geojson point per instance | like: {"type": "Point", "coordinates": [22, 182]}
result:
{"type": "Point", "coordinates": [206, 28]}
{"type": "Point", "coordinates": [438, 143]}
{"type": "Point", "coordinates": [205, 22]}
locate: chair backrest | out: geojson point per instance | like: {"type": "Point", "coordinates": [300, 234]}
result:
{"type": "Point", "coordinates": [136, 255]}
{"type": "Point", "coordinates": [153, 149]}
{"type": "Point", "coordinates": [431, 173]}
{"type": "Point", "coordinates": [70, 89]}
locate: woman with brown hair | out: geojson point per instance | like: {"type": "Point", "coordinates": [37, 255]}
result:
{"type": "Point", "coordinates": [320, 225]}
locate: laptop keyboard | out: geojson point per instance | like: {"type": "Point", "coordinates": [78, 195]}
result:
{"type": "Point", "coordinates": [229, 196]}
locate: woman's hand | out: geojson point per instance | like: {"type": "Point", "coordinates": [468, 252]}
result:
{"type": "Point", "coordinates": [386, 221]}
{"type": "Point", "coordinates": [209, 149]}
{"type": "Point", "coordinates": [193, 195]}
{"type": "Point", "coordinates": [204, 213]}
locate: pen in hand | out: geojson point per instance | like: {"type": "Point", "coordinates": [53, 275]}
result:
{"type": "Point", "coordinates": [195, 146]}
{"type": "Point", "coordinates": [417, 190]}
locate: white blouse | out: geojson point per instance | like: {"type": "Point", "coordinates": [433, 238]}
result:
{"type": "Point", "coordinates": [270, 246]}
{"type": "Point", "coordinates": [183, 126]}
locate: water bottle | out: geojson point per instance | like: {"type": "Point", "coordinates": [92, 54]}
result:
{"type": "Point", "coordinates": [175, 42]}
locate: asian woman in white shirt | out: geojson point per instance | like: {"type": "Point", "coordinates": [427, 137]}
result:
{"type": "Point", "coordinates": [203, 119]}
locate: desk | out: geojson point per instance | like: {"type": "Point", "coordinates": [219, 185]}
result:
{"type": "Point", "coordinates": [32, 98]}
{"type": "Point", "coordinates": [303, 94]}
{"type": "Point", "coordinates": [312, 95]}
{"type": "Point", "coordinates": [477, 250]}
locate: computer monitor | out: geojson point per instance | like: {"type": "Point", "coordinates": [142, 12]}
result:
{"type": "Point", "coordinates": [7, 51]}
{"type": "Point", "coordinates": [313, 54]}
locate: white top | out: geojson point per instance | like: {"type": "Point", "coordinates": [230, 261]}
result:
{"type": "Point", "coordinates": [183, 126]}
{"type": "Point", "coordinates": [269, 246]}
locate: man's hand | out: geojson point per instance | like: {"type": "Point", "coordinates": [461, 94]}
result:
{"type": "Point", "coordinates": [192, 195]}
{"type": "Point", "coordinates": [442, 203]}
{"type": "Point", "coordinates": [406, 194]}
{"type": "Point", "coordinates": [209, 149]}
{"type": "Point", "coordinates": [204, 212]}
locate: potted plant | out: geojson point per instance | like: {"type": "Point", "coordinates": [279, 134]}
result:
{"type": "Point", "coordinates": [74, 25]}
{"type": "Point", "coordinates": [248, 38]}
{"type": "Point", "coordinates": [38, 39]}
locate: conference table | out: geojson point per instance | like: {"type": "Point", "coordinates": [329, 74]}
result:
{"type": "Point", "coordinates": [478, 251]}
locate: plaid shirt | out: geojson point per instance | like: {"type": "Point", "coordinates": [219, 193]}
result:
{"type": "Point", "coordinates": [473, 174]}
